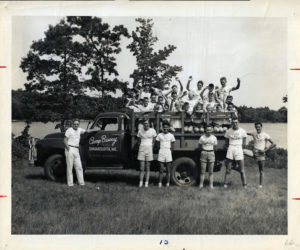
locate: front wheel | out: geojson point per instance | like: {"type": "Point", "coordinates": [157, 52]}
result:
{"type": "Point", "coordinates": [55, 167]}
{"type": "Point", "coordinates": [184, 171]}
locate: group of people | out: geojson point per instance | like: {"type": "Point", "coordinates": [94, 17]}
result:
{"type": "Point", "coordinates": [144, 98]}
{"type": "Point", "coordinates": [235, 141]}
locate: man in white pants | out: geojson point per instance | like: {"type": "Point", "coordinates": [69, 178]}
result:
{"type": "Point", "coordinates": [71, 140]}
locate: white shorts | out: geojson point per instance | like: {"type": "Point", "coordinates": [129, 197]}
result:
{"type": "Point", "coordinates": [235, 153]}
{"type": "Point", "coordinates": [164, 155]}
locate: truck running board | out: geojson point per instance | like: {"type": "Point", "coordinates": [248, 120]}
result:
{"type": "Point", "coordinates": [107, 166]}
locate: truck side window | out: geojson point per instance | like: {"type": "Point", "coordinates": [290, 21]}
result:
{"type": "Point", "coordinates": [105, 124]}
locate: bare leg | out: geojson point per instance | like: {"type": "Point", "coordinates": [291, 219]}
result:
{"type": "Point", "coordinates": [142, 172]}
{"type": "Point", "coordinates": [202, 173]}
{"type": "Point", "coordinates": [211, 176]}
{"type": "Point", "coordinates": [261, 165]}
{"type": "Point", "coordinates": [168, 173]}
{"type": "Point", "coordinates": [242, 171]}
{"type": "Point", "coordinates": [228, 164]}
{"type": "Point", "coordinates": [161, 173]}
{"type": "Point", "coordinates": [147, 173]}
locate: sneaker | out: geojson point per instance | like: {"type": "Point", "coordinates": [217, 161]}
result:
{"type": "Point", "coordinates": [168, 184]}
{"type": "Point", "coordinates": [200, 186]}
{"type": "Point", "coordinates": [159, 185]}
{"type": "Point", "coordinates": [260, 186]}
{"type": "Point", "coordinates": [225, 186]}
{"type": "Point", "coordinates": [245, 186]}
{"type": "Point", "coordinates": [211, 187]}
{"type": "Point", "coordinates": [71, 185]}
{"type": "Point", "coordinates": [141, 184]}
{"type": "Point", "coordinates": [146, 184]}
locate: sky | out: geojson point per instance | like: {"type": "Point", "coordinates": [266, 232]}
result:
{"type": "Point", "coordinates": [253, 49]}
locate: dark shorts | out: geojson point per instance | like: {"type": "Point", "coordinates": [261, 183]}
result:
{"type": "Point", "coordinates": [207, 156]}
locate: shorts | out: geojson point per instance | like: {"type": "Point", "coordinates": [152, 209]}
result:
{"type": "Point", "coordinates": [145, 153]}
{"type": "Point", "coordinates": [207, 156]}
{"type": "Point", "coordinates": [258, 156]}
{"type": "Point", "coordinates": [235, 153]}
{"type": "Point", "coordinates": [165, 155]}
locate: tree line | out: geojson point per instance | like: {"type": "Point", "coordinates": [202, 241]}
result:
{"type": "Point", "coordinates": [86, 107]}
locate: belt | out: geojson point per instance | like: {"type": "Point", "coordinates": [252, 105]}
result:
{"type": "Point", "coordinates": [207, 150]}
{"type": "Point", "coordinates": [73, 146]}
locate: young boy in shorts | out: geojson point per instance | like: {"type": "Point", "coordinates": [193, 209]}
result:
{"type": "Point", "coordinates": [259, 152]}
{"type": "Point", "coordinates": [146, 137]}
{"type": "Point", "coordinates": [207, 144]}
{"type": "Point", "coordinates": [166, 143]}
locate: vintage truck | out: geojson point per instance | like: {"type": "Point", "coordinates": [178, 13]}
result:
{"type": "Point", "coordinates": [110, 142]}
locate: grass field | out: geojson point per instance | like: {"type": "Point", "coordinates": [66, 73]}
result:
{"type": "Point", "coordinates": [111, 203]}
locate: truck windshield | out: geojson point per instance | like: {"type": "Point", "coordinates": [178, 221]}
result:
{"type": "Point", "coordinates": [105, 124]}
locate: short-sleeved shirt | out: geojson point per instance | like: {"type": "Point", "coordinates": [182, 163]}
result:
{"type": "Point", "coordinates": [224, 92]}
{"type": "Point", "coordinates": [145, 94]}
{"type": "Point", "coordinates": [146, 109]}
{"type": "Point", "coordinates": [165, 140]}
{"type": "Point", "coordinates": [260, 140]}
{"type": "Point", "coordinates": [208, 143]}
{"type": "Point", "coordinates": [146, 136]}
{"type": "Point", "coordinates": [235, 136]}
{"type": "Point", "coordinates": [74, 136]}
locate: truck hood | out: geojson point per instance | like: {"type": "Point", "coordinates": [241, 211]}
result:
{"type": "Point", "coordinates": [55, 135]}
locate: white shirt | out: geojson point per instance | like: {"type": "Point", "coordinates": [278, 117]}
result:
{"type": "Point", "coordinates": [145, 109]}
{"type": "Point", "coordinates": [235, 136]}
{"type": "Point", "coordinates": [74, 136]}
{"type": "Point", "coordinates": [209, 105]}
{"type": "Point", "coordinates": [208, 142]}
{"type": "Point", "coordinates": [145, 94]}
{"type": "Point", "coordinates": [165, 140]}
{"type": "Point", "coordinates": [146, 136]}
{"type": "Point", "coordinates": [224, 92]}
{"type": "Point", "coordinates": [260, 140]}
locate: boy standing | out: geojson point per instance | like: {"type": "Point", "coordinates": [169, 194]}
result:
{"type": "Point", "coordinates": [260, 140]}
{"type": "Point", "coordinates": [146, 137]}
{"type": "Point", "coordinates": [235, 139]}
{"type": "Point", "coordinates": [166, 144]}
{"type": "Point", "coordinates": [207, 144]}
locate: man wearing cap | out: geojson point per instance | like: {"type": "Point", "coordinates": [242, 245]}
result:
{"type": "Point", "coordinates": [71, 141]}
{"type": "Point", "coordinates": [235, 139]}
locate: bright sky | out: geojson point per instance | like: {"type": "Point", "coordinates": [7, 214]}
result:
{"type": "Point", "coordinates": [253, 49]}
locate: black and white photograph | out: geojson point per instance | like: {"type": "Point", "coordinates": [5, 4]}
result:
{"type": "Point", "coordinates": [156, 125]}
{"type": "Point", "coordinates": [149, 125]}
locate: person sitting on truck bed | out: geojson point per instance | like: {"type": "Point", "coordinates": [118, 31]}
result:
{"type": "Point", "coordinates": [166, 144]}
{"type": "Point", "coordinates": [188, 121]}
{"type": "Point", "coordinates": [235, 140]}
{"type": "Point", "coordinates": [205, 94]}
{"type": "Point", "coordinates": [159, 106]}
{"type": "Point", "coordinates": [146, 137]}
{"type": "Point", "coordinates": [146, 106]}
{"type": "Point", "coordinates": [210, 105]}
{"type": "Point", "coordinates": [207, 144]}
{"type": "Point", "coordinates": [224, 91]}
{"type": "Point", "coordinates": [232, 109]}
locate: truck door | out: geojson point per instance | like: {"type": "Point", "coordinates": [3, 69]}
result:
{"type": "Point", "coordinates": [103, 145]}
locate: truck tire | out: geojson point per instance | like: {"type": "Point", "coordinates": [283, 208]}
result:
{"type": "Point", "coordinates": [184, 171]}
{"type": "Point", "coordinates": [55, 167]}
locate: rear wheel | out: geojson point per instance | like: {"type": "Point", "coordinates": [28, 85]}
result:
{"type": "Point", "coordinates": [55, 167]}
{"type": "Point", "coordinates": [184, 171]}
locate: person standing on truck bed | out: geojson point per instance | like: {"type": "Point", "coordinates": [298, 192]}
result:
{"type": "Point", "coordinates": [207, 144]}
{"type": "Point", "coordinates": [166, 144]}
{"type": "Point", "coordinates": [146, 137]}
{"type": "Point", "coordinates": [71, 141]}
{"type": "Point", "coordinates": [224, 91]}
{"type": "Point", "coordinates": [235, 139]}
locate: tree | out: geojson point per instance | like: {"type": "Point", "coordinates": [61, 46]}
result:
{"type": "Point", "coordinates": [101, 45]}
{"type": "Point", "coordinates": [151, 65]}
{"type": "Point", "coordinates": [54, 70]}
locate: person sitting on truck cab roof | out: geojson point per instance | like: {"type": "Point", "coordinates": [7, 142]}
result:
{"type": "Point", "coordinates": [146, 137]}
{"type": "Point", "coordinates": [166, 144]}
{"type": "Point", "coordinates": [205, 96]}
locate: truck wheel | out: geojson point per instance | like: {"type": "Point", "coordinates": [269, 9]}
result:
{"type": "Point", "coordinates": [55, 167]}
{"type": "Point", "coordinates": [184, 171]}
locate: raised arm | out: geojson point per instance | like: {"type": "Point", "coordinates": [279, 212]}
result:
{"type": "Point", "coordinates": [237, 86]}
{"type": "Point", "coordinates": [180, 84]}
{"type": "Point", "coordinates": [188, 83]}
